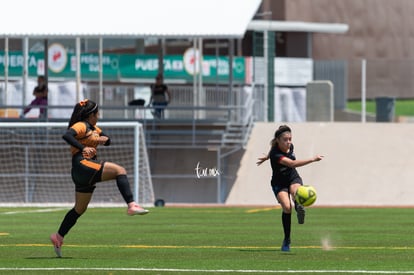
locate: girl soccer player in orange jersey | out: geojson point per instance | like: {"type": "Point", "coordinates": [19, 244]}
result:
{"type": "Point", "coordinates": [84, 137]}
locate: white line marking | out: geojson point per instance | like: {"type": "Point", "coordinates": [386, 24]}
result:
{"type": "Point", "coordinates": [209, 271]}
{"type": "Point", "coordinates": [33, 211]}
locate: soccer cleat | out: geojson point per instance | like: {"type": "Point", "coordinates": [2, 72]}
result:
{"type": "Point", "coordinates": [135, 209]}
{"type": "Point", "coordinates": [57, 241]}
{"type": "Point", "coordinates": [300, 211]}
{"type": "Point", "coordinates": [285, 245]}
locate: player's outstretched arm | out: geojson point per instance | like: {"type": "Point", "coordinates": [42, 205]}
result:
{"type": "Point", "coordinates": [300, 162]}
{"type": "Point", "coordinates": [262, 159]}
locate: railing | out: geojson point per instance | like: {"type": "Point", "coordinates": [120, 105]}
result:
{"type": "Point", "coordinates": [199, 125]}
{"type": "Point", "coordinates": [222, 110]}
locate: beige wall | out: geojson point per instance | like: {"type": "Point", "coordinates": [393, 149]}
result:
{"type": "Point", "coordinates": [175, 179]}
{"type": "Point", "coordinates": [367, 164]}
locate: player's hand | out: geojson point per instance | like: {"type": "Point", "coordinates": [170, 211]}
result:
{"type": "Point", "coordinates": [102, 140]}
{"type": "Point", "coordinates": [262, 159]}
{"type": "Point", "coordinates": [318, 158]}
{"type": "Point", "coordinates": [88, 152]}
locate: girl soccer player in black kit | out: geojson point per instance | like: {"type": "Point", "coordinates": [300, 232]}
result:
{"type": "Point", "coordinates": [285, 178]}
{"type": "Point", "coordinates": [84, 137]}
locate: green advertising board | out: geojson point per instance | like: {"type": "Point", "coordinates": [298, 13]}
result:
{"type": "Point", "coordinates": [125, 67]}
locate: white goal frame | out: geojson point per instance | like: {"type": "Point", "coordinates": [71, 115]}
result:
{"type": "Point", "coordinates": [138, 136]}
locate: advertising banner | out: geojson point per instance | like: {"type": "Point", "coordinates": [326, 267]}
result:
{"type": "Point", "coordinates": [124, 67]}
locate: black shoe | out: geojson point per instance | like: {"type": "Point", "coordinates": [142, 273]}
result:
{"type": "Point", "coordinates": [300, 211]}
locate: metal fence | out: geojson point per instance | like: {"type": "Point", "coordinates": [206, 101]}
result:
{"type": "Point", "coordinates": [382, 78]}
{"type": "Point", "coordinates": [211, 103]}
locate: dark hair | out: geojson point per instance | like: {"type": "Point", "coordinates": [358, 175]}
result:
{"type": "Point", "coordinates": [279, 132]}
{"type": "Point", "coordinates": [82, 110]}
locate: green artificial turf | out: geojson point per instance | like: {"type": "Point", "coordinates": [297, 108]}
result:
{"type": "Point", "coordinates": [402, 107]}
{"type": "Point", "coordinates": [215, 240]}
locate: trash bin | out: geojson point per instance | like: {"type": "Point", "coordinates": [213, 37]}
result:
{"type": "Point", "coordinates": [385, 109]}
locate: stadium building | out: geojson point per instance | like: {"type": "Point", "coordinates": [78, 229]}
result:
{"type": "Point", "coordinates": [210, 119]}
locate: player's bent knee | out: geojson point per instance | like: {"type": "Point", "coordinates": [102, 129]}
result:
{"type": "Point", "coordinates": [121, 171]}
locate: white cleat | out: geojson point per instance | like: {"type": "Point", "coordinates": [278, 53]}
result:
{"type": "Point", "coordinates": [57, 241]}
{"type": "Point", "coordinates": [135, 209]}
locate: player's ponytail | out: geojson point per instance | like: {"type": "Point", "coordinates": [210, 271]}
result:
{"type": "Point", "coordinates": [82, 110]}
{"type": "Point", "coordinates": [281, 130]}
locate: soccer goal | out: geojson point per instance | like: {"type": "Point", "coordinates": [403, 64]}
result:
{"type": "Point", "coordinates": [36, 163]}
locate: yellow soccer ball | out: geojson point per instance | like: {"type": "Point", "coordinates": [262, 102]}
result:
{"type": "Point", "coordinates": [305, 195]}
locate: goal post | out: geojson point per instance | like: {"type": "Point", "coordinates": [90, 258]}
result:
{"type": "Point", "coordinates": [36, 163]}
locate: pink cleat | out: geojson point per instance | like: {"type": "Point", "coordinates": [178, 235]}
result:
{"type": "Point", "coordinates": [57, 241]}
{"type": "Point", "coordinates": [135, 209]}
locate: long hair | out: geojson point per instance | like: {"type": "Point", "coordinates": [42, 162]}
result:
{"type": "Point", "coordinates": [278, 133]}
{"type": "Point", "coordinates": [82, 110]}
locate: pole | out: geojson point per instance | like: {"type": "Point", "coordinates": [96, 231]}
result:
{"type": "Point", "coordinates": [100, 75]}
{"type": "Point", "coordinates": [266, 76]}
{"type": "Point", "coordinates": [78, 69]}
{"type": "Point", "coordinates": [363, 90]}
{"type": "Point", "coordinates": [25, 68]}
{"type": "Point", "coordinates": [201, 92]}
{"type": "Point", "coordinates": [136, 162]}
{"type": "Point", "coordinates": [6, 72]}
{"type": "Point", "coordinates": [195, 100]}
{"type": "Point", "coordinates": [46, 71]}
{"type": "Point", "coordinates": [219, 182]}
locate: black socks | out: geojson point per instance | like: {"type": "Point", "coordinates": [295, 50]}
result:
{"type": "Point", "coordinates": [68, 222]}
{"type": "Point", "coordinates": [124, 188]}
{"type": "Point", "coordinates": [286, 221]}
{"type": "Point", "coordinates": [72, 216]}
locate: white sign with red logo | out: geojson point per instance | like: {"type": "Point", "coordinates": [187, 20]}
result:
{"type": "Point", "coordinates": [57, 58]}
{"type": "Point", "coordinates": [192, 62]}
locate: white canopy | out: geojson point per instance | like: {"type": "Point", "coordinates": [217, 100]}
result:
{"type": "Point", "coordinates": [127, 18]}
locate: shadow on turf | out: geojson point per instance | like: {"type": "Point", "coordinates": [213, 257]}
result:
{"type": "Point", "coordinates": [48, 258]}
{"type": "Point", "coordinates": [267, 250]}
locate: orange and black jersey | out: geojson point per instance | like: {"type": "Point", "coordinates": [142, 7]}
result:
{"type": "Point", "coordinates": [82, 134]}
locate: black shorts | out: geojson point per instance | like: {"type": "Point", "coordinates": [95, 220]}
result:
{"type": "Point", "coordinates": [86, 173]}
{"type": "Point", "coordinates": [278, 187]}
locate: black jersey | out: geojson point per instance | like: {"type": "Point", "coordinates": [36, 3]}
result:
{"type": "Point", "coordinates": [281, 174]}
{"type": "Point", "coordinates": [40, 91]}
{"type": "Point", "coordinates": [159, 93]}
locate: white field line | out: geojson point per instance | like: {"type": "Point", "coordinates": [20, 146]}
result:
{"type": "Point", "coordinates": [207, 270]}
{"type": "Point", "coordinates": [45, 210]}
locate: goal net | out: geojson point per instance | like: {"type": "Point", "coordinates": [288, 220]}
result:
{"type": "Point", "coordinates": [36, 164]}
